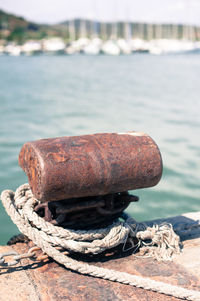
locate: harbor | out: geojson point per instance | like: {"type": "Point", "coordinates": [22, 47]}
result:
{"type": "Point", "coordinates": [83, 36]}
{"type": "Point", "coordinates": [99, 148]}
{"type": "Point", "coordinates": [96, 46]}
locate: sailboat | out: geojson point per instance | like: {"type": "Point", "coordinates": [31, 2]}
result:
{"type": "Point", "coordinates": [71, 47]}
{"type": "Point", "coordinates": [94, 45]}
{"type": "Point", "coordinates": [110, 46]}
{"type": "Point", "coordinates": [124, 43]}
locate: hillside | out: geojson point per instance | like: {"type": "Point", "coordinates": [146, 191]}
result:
{"type": "Point", "coordinates": [15, 28]}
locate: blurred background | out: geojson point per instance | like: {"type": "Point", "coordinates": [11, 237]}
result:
{"type": "Point", "coordinates": [72, 67]}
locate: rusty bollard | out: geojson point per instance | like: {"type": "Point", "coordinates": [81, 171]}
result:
{"type": "Point", "coordinates": [82, 181]}
{"type": "Point", "coordinates": [90, 165]}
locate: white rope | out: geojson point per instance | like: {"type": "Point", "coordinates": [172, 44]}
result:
{"type": "Point", "coordinates": [163, 241]}
{"type": "Point", "coordinates": [20, 208]}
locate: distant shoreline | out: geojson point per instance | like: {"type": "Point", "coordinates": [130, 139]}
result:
{"type": "Point", "coordinates": [19, 30]}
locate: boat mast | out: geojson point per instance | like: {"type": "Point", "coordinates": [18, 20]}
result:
{"type": "Point", "coordinates": [189, 28]}
{"type": "Point", "coordinates": [158, 31]}
{"type": "Point", "coordinates": [127, 24]}
{"type": "Point", "coordinates": [103, 30]}
{"type": "Point", "coordinates": [94, 21]}
{"type": "Point", "coordinates": [83, 28]}
{"type": "Point", "coordinates": [72, 32]}
{"type": "Point", "coordinates": [149, 31]}
{"type": "Point", "coordinates": [141, 30]}
{"type": "Point", "coordinates": [175, 31]}
{"type": "Point", "coordinates": [114, 21]}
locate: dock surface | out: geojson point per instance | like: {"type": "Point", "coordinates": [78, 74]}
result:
{"type": "Point", "coordinates": [50, 281]}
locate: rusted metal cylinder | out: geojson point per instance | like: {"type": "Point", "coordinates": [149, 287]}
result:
{"type": "Point", "coordinates": [90, 165]}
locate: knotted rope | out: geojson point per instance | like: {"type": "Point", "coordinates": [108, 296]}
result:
{"type": "Point", "coordinates": [163, 242]}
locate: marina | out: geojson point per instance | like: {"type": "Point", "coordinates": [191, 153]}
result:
{"type": "Point", "coordinates": [92, 37]}
{"type": "Point", "coordinates": [99, 148]}
{"type": "Point", "coordinates": [96, 46]}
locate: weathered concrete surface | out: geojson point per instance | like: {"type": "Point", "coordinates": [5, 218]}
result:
{"type": "Point", "coordinates": [50, 281]}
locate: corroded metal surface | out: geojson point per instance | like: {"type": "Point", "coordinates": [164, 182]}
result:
{"type": "Point", "coordinates": [88, 212]}
{"type": "Point", "coordinates": [88, 165]}
{"type": "Point", "coordinates": [50, 281]}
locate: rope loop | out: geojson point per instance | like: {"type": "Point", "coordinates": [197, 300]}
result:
{"type": "Point", "coordinates": [159, 241]}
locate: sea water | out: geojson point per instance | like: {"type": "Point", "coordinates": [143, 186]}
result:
{"type": "Point", "coordinates": [49, 96]}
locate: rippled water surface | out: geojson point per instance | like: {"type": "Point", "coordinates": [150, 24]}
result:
{"type": "Point", "coordinates": [47, 96]}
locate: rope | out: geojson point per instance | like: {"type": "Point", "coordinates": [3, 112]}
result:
{"type": "Point", "coordinates": [20, 207]}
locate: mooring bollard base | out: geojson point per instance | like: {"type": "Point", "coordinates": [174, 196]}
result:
{"type": "Point", "coordinates": [47, 280]}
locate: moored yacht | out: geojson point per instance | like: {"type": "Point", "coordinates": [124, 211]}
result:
{"type": "Point", "coordinates": [110, 47]}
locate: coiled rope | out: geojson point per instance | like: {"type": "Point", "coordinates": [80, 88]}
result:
{"type": "Point", "coordinates": [164, 242]}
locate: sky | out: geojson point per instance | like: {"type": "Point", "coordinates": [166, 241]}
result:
{"type": "Point", "coordinates": [55, 11]}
